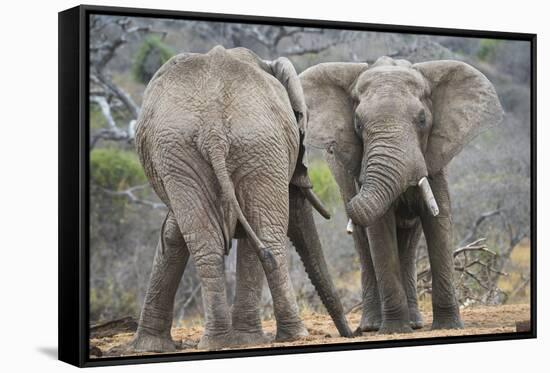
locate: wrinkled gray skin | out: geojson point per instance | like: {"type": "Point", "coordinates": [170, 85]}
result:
{"type": "Point", "coordinates": [385, 127]}
{"type": "Point", "coordinates": [219, 137]}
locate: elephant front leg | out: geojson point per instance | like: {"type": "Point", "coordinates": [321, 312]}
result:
{"type": "Point", "coordinates": [383, 244]}
{"type": "Point", "coordinates": [247, 324]}
{"type": "Point", "coordinates": [407, 241]}
{"type": "Point", "coordinates": [153, 333]}
{"type": "Point", "coordinates": [438, 232]}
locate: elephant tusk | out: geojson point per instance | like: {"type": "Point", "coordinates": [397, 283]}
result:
{"type": "Point", "coordinates": [428, 196]}
{"type": "Point", "coordinates": [349, 227]}
{"type": "Point", "coordinates": [316, 202]}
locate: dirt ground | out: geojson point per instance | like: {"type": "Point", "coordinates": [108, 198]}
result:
{"type": "Point", "coordinates": [477, 320]}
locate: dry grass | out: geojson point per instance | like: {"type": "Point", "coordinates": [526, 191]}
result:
{"type": "Point", "coordinates": [516, 283]}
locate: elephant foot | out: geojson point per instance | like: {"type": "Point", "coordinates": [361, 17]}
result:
{"type": "Point", "coordinates": [216, 342]}
{"type": "Point", "coordinates": [447, 323]}
{"type": "Point", "coordinates": [292, 332]}
{"type": "Point", "coordinates": [368, 324]}
{"type": "Point", "coordinates": [242, 338]}
{"type": "Point", "coordinates": [417, 322]}
{"type": "Point", "coordinates": [395, 327]}
{"type": "Point", "coordinates": [367, 327]}
{"type": "Point", "coordinates": [145, 342]}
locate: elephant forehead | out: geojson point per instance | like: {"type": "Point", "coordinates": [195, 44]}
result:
{"type": "Point", "coordinates": [393, 78]}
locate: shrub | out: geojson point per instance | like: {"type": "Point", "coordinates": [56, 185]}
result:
{"type": "Point", "coordinates": [324, 184]}
{"type": "Point", "coordinates": [152, 54]}
{"type": "Point", "coordinates": [487, 49]}
{"type": "Point", "coordinates": [115, 169]}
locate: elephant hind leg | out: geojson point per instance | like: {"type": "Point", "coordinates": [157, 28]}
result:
{"type": "Point", "coordinates": [208, 251]}
{"type": "Point", "coordinates": [205, 242]}
{"type": "Point", "coordinates": [153, 333]}
{"type": "Point", "coordinates": [268, 215]}
{"type": "Point", "coordinates": [207, 248]}
{"type": "Point", "coordinates": [247, 324]}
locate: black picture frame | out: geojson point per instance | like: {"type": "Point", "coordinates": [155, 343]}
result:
{"type": "Point", "coordinates": [74, 184]}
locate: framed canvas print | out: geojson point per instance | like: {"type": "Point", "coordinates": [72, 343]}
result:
{"type": "Point", "coordinates": [233, 186]}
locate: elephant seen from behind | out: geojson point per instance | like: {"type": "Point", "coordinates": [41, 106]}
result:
{"type": "Point", "coordinates": [220, 139]}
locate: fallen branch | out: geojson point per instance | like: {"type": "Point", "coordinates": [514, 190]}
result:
{"type": "Point", "coordinates": [114, 327]}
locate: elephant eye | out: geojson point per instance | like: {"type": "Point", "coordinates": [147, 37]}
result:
{"type": "Point", "coordinates": [358, 124]}
{"type": "Point", "coordinates": [421, 119]}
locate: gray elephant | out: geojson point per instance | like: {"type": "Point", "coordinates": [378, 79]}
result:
{"type": "Point", "coordinates": [388, 132]}
{"type": "Point", "coordinates": [220, 140]}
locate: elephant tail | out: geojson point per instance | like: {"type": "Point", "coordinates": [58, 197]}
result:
{"type": "Point", "coordinates": [217, 159]}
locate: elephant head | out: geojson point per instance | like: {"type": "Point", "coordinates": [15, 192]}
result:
{"type": "Point", "coordinates": [395, 124]}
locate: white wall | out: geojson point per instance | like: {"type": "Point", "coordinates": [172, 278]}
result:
{"type": "Point", "coordinates": [28, 182]}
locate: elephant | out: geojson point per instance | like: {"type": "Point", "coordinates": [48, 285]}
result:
{"type": "Point", "coordinates": [388, 131]}
{"type": "Point", "coordinates": [220, 138]}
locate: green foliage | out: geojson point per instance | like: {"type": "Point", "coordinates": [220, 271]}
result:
{"type": "Point", "coordinates": [152, 54]}
{"type": "Point", "coordinates": [115, 169]}
{"type": "Point", "coordinates": [487, 48]}
{"type": "Point", "coordinates": [324, 184]}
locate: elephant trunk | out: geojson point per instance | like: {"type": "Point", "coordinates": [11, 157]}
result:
{"type": "Point", "coordinates": [303, 234]}
{"type": "Point", "coordinates": [390, 165]}
{"type": "Point", "coordinates": [385, 174]}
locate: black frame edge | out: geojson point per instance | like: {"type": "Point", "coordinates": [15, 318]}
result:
{"type": "Point", "coordinates": [305, 22]}
{"type": "Point", "coordinates": [533, 237]}
{"type": "Point", "coordinates": [69, 222]}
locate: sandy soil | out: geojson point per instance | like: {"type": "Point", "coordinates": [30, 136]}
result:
{"type": "Point", "coordinates": [477, 320]}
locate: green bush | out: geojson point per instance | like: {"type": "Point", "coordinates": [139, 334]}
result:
{"type": "Point", "coordinates": [487, 48]}
{"type": "Point", "coordinates": [324, 184]}
{"type": "Point", "coordinates": [152, 54]}
{"type": "Point", "coordinates": [115, 169]}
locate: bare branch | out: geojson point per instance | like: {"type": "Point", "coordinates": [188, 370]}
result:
{"type": "Point", "coordinates": [477, 223]}
{"type": "Point", "coordinates": [474, 246]}
{"type": "Point", "coordinates": [119, 94]}
{"type": "Point", "coordinates": [130, 194]}
{"type": "Point", "coordinates": [105, 110]}
{"type": "Point", "coordinates": [192, 296]}
{"type": "Point", "coordinates": [109, 134]}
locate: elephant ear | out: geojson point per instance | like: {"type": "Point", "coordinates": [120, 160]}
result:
{"type": "Point", "coordinates": [284, 71]}
{"type": "Point", "coordinates": [327, 88]}
{"type": "Point", "coordinates": [464, 103]}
